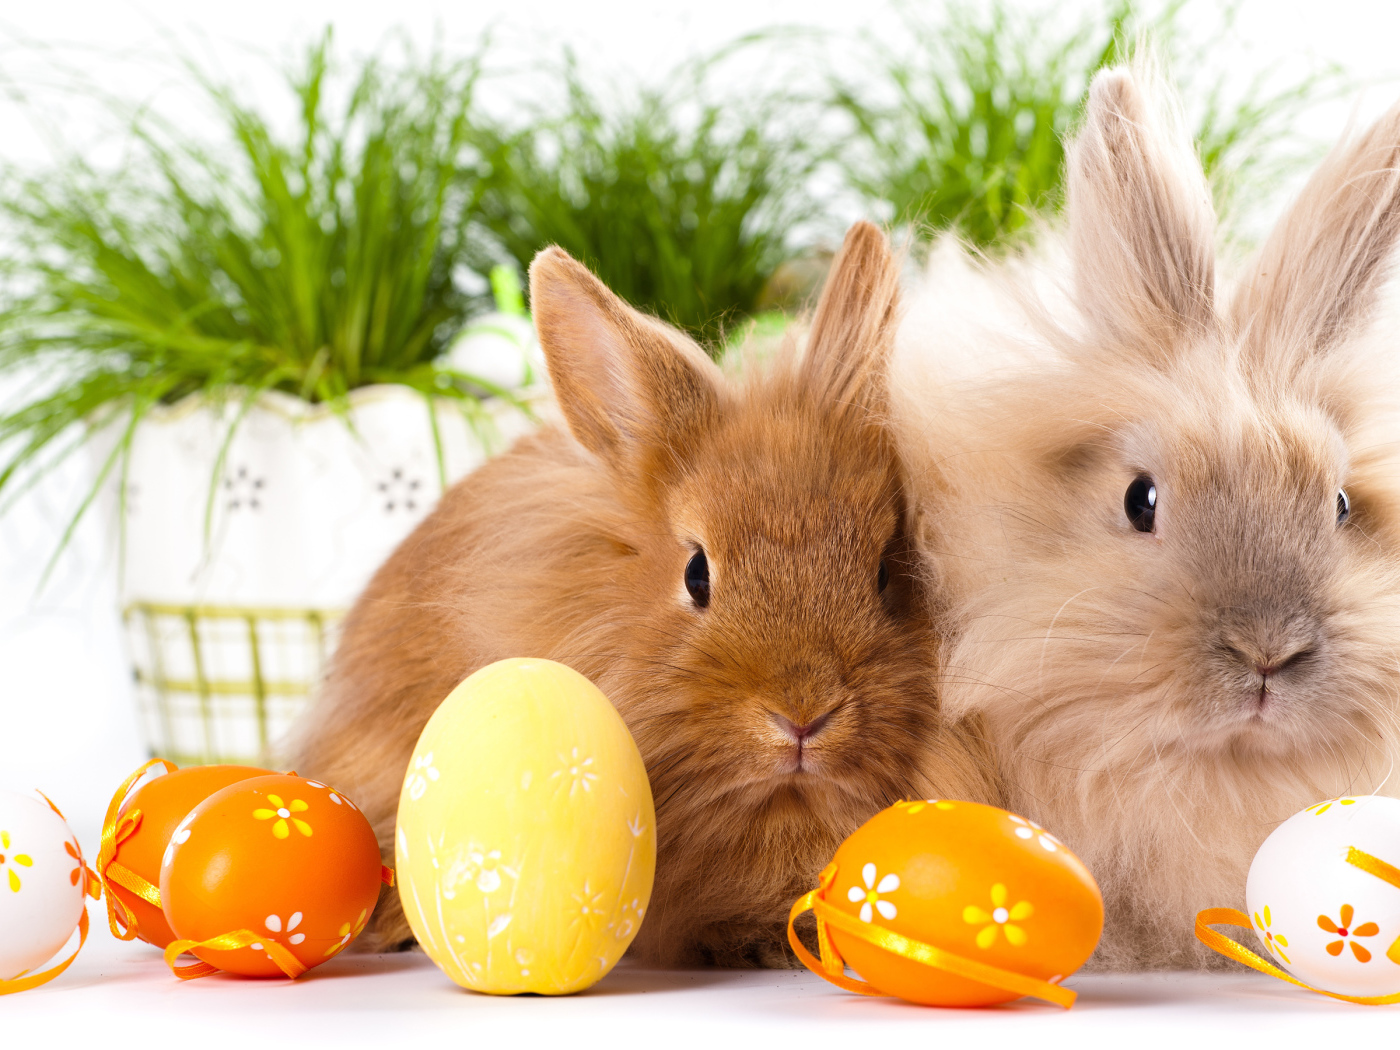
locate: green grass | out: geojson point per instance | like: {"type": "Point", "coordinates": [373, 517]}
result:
{"type": "Point", "coordinates": [230, 258]}
{"type": "Point", "coordinates": [682, 202]}
{"type": "Point", "coordinates": [964, 128]}
{"type": "Point", "coordinates": [313, 263]}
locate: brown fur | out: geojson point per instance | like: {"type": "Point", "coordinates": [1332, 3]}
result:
{"type": "Point", "coordinates": [573, 546]}
{"type": "Point", "coordinates": [1119, 670]}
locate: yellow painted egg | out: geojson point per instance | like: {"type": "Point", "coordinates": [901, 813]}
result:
{"type": "Point", "coordinates": [526, 839]}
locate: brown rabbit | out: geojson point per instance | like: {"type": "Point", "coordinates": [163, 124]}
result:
{"type": "Point", "coordinates": [1168, 526]}
{"type": "Point", "coordinates": [729, 562]}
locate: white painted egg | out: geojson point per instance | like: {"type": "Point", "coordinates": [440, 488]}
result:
{"type": "Point", "coordinates": [1320, 917]}
{"type": "Point", "coordinates": [526, 839]}
{"type": "Point", "coordinates": [41, 883]}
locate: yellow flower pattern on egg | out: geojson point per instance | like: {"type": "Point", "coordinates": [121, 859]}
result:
{"type": "Point", "coordinates": [283, 814]}
{"type": "Point", "coordinates": [1275, 942]}
{"type": "Point", "coordinates": [1323, 807]}
{"type": "Point", "coordinates": [348, 932]}
{"type": "Point", "coordinates": [7, 859]}
{"type": "Point", "coordinates": [999, 918]}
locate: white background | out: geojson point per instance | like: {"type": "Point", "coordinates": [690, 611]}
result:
{"type": "Point", "coordinates": [66, 722]}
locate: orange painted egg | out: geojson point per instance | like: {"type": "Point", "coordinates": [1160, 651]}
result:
{"type": "Point", "coordinates": [970, 879]}
{"type": "Point", "coordinates": [289, 859]}
{"type": "Point", "coordinates": [163, 802]}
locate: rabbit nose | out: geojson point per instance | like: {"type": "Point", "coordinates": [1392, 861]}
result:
{"type": "Point", "coordinates": [1265, 664]}
{"type": "Point", "coordinates": [799, 733]}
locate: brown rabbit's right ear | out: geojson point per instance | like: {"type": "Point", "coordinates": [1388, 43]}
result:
{"type": "Point", "coordinates": [1318, 276]}
{"type": "Point", "coordinates": [853, 330]}
{"type": "Point", "coordinates": [1140, 219]}
{"type": "Point", "coordinates": [628, 385]}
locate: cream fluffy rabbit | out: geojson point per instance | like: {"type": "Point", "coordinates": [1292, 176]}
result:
{"type": "Point", "coordinates": [1167, 520]}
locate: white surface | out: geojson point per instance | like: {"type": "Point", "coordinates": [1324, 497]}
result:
{"type": "Point", "coordinates": [121, 995]}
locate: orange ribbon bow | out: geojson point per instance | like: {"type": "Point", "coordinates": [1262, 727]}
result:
{"type": "Point", "coordinates": [115, 831]}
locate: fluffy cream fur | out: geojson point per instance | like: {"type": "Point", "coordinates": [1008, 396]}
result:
{"type": "Point", "coordinates": [1163, 699]}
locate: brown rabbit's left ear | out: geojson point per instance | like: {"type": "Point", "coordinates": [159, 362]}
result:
{"type": "Point", "coordinates": [1319, 275]}
{"type": "Point", "coordinates": [629, 386]}
{"type": "Point", "coordinates": [853, 331]}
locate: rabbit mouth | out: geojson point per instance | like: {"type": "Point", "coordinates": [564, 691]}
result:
{"type": "Point", "coordinates": [801, 751]}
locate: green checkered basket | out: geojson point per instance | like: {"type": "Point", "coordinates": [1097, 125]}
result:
{"type": "Point", "coordinates": [225, 683]}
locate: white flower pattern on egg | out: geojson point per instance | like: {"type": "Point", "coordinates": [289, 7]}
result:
{"type": "Point", "coordinates": [476, 866]}
{"type": "Point", "coordinates": [1026, 829]}
{"type": "Point", "coordinates": [420, 775]}
{"type": "Point", "coordinates": [273, 924]}
{"type": "Point", "coordinates": [870, 895]}
{"type": "Point", "coordinates": [577, 772]}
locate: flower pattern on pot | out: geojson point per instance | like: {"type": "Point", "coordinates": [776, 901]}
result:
{"type": "Point", "coordinates": [243, 490]}
{"type": "Point", "coordinates": [401, 492]}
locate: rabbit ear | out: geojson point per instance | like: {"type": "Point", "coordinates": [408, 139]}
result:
{"type": "Point", "coordinates": [1140, 219]}
{"type": "Point", "coordinates": [627, 384]}
{"type": "Point", "coordinates": [853, 330]}
{"type": "Point", "coordinates": [1320, 272]}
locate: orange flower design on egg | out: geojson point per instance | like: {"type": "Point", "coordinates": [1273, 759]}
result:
{"type": "Point", "coordinates": [1345, 931]}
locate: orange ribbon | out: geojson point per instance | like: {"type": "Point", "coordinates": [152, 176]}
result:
{"type": "Point", "coordinates": [832, 968]}
{"type": "Point", "coordinates": [1234, 950]}
{"type": "Point", "coordinates": [92, 887]}
{"type": "Point", "coordinates": [285, 960]}
{"type": "Point", "coordinates": [386, 875]}
{"type": "Point", "coordinates": [115, 831]}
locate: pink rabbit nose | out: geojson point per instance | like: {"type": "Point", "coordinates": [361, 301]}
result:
{"type": "Point", "coordinates": [799, 733]}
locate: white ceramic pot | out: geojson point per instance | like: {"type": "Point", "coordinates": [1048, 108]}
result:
{"type": "Point", "coordinates": [231, 605]}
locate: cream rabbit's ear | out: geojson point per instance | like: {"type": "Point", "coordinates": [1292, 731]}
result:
{"type": "Point", "coordinates": [1319, 274]}
{"type": "Point", "coordinates": [1142, 228]}
{"type": "Point", "coordinates": [853, 330]}
{"type": "Point", "coordinates": [627, 384]}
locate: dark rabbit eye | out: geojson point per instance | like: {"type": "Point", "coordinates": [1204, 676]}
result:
{"type": "Point", "coordinates": [1140, 503]}
{"type": "Point", "coordinates": [1343, 506]}
{"type": "Point", "coordinates": [697, 579]}
{"type": "Point", "coordinates": [884, 577]}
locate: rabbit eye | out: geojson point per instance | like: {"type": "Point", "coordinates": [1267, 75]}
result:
{"type": "Point", "coordinates": [884, 576]}
{"type": "Point", "coordinates": [1343, 506]}
{"type": "Point", "coordinates": [1140, 503]}
{"type": "Point", "coordinates": [697, 579]}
